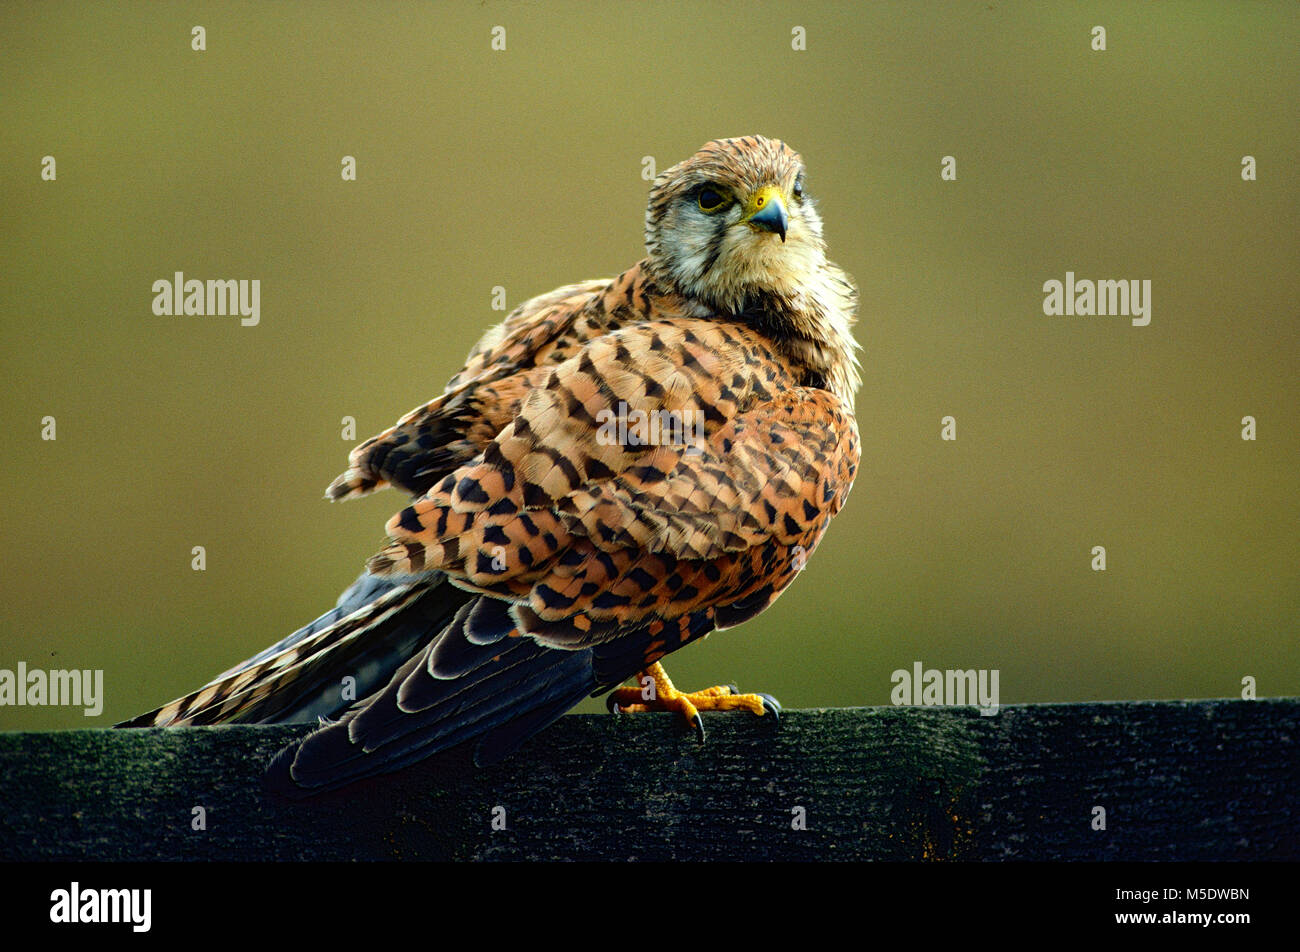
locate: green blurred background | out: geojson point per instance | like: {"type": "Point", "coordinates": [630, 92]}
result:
{"type": "Point", "coordinates": [521, 168]}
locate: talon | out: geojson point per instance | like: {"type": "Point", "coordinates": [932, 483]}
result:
{"type": "Point", "coordinates": [772, 706]}
{"type": "Point", "coordinates": [699, 727]}
{"type": "Point", "coordinates": [623, 700]}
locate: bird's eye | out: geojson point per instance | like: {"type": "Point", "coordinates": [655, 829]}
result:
{"type": "Point", "coordinates": [798, 188]}
{"type": "Point", "coordinates": [710, 199]}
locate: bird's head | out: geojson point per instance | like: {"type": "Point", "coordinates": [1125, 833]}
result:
{"type": "Point", "coordinates": [733, 231]}
{"type": "Point", "coordinates": [733, 222]}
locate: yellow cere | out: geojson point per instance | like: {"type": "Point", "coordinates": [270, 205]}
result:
{"type": "Point", "coordinates": [760, 199]}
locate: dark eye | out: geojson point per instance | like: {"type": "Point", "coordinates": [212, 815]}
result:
{"type": "Point", "coordinates": [798, 187]}
{"type": "Point", "coordinates": [710, 199]}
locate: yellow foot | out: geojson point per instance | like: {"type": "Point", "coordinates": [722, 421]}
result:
{"type": "Point", "coordinates": [660, 695]}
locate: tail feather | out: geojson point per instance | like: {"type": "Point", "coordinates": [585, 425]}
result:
{"type": "Point", "coordinates": [510, 700]}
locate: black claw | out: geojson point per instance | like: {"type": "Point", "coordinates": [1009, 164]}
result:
{"type": "Point", "coordinates": [733, 689]}
{"type": "Point", "coordinates": [699, 727]}
{"type": "Point", "coordinates": [772, 706]}
{"type": "Point", "coordinates": [611, 705]}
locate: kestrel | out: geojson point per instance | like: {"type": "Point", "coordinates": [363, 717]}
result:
{"type": "Point", "coordinates": [621, 467]}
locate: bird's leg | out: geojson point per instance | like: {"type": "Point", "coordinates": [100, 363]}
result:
{"type": "Point", "coordinates": [659, 694]}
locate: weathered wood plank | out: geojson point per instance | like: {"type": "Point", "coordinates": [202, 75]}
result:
{"type": "Point", "coordinates": [1197, 780]}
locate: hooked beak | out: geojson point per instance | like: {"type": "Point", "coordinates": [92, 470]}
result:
{"type": "Point", "coordinates": [766, 210]}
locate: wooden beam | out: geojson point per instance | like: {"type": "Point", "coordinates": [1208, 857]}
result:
{"type": "Point", "coordinates": [1178, 780]}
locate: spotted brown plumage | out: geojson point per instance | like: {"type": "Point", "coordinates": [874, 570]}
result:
{"type": "Point", "coordinates": [621, 467]}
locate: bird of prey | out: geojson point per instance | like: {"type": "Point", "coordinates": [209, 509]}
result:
{"type": "Point", "coordinates": [622, 466]}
